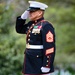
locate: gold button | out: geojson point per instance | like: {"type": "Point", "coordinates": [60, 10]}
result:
{"type": "Point", "coordinates": [28, 39]}
{"type": "Point", "coordinates": [33, 24]}
{"type": "Point", "coordinates": [35, 21]}
{"type": "Point", "coordinates": [37, 56]}
{"type": "Point", "coordinates": [47, 61]}
{"type": "Point", "coordinates": [46, 65]}
{"type": "Point", "coordinates": [29, 35]}
{"type": "Point", "coordinates": [47, 56]}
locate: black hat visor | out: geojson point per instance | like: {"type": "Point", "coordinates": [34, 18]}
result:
{"type": "Point", "coordinates": [33, 9]}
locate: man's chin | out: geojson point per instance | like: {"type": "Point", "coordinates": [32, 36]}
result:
{"type": "Point", "coordinates": [32, 19]}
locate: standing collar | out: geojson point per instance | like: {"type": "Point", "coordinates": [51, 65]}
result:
{"type": "Point", "coordinates": [39, 20]}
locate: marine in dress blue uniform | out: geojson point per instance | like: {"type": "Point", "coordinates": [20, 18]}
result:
{"type": "Point", "coordinates": [40, 42]}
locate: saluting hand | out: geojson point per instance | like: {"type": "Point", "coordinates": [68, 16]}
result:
{"type": "Point", "coordinates": [25, 15]}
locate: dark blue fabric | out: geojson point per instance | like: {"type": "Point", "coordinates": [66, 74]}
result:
{"type": "Point", "coordinates": [32, 63]}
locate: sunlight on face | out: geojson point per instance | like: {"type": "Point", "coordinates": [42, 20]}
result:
{"type": "Point", "coordinates": [33, 15]}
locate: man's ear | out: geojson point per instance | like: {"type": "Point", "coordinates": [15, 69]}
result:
{"type": "Point", "coordinates": [40, 13]}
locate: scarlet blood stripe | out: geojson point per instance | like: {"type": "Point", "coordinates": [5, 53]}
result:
{"type": "Point", "coordinates": [48, 51]}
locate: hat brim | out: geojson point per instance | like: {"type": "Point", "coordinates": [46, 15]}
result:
{"type": "Point", "coordinates": [33, 9]}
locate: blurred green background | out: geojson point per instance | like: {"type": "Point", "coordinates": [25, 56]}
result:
{"type": "Point", "coordinates": [61, 13]}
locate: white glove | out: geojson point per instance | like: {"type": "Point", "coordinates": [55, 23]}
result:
{"type": "Point", "coordinates": [45, 69]}
{"type": "Point", "coordinates": [25, 15]}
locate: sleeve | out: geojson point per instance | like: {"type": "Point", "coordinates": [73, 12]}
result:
{"type": "Point", "coordinates": [21, 27]}
{"type": "Point", "coordinates": [48, 39]}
